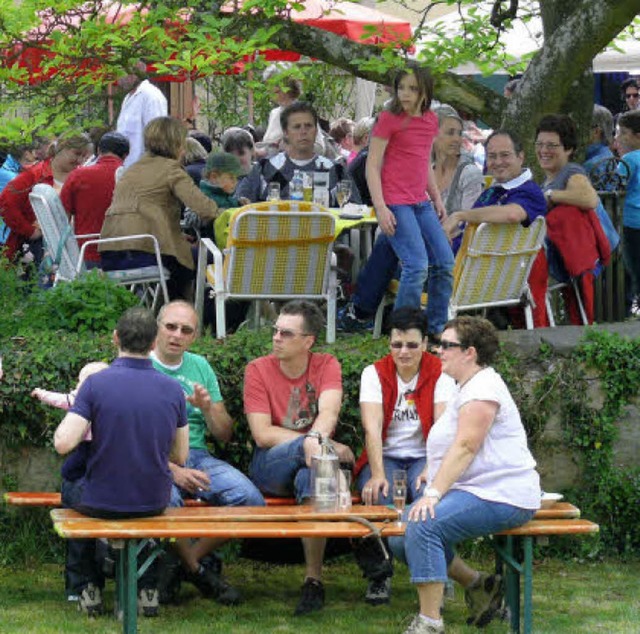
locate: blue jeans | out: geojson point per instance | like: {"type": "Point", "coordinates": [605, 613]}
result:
{"type": "Point", "coordinates": [414, 467]}
{"type": "Point", "coordinates": [423, 250]}
{"type": "Point", "coordinates": [427, 546]}
{"type": "Point", "coordinates": [228, 486]}
{"type": "Point", "coordinates": [282, 471]}
{"type": "Point", "coordinates": [375, 275]}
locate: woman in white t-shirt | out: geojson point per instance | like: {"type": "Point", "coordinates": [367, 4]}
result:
{"type": "Point", "coordinates": [481, 478]}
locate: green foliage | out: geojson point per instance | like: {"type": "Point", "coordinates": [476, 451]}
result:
{"type": "Point", "coordinates": [92, 303]}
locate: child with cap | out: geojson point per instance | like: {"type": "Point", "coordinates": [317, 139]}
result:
{"type": "Point", "coordinates": [219, 181]}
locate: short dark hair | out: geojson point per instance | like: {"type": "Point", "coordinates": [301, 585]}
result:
{"type": "Point", "coordinates": [407, 317]}
{"type": "Point", "coordinates": [479, 333]}
{"type": "Point", "coordinates": [425, 87]}
{"type": "Point", "coordinates": [630, 120]}
{"type": "Point", "coordinates": [203, 138]}
{"type": "Point", "coordinates": [341, 128]}
{"type": "Point", "coordinates": [515, 140]}
{"type": "Point", "coordinates": [137, 330]}
{"type": "Point", "coordinates": [114, 143]}
{"type": "Point", "coordinates": [310, 313]}
{"type": "Point", "coordinates": [294, 108]}
{"type": "Point", "coordinates": [236, 140]}
{"type": "Point", "coordinates": [563, 126]}
{"type": "Point", "coordinates": [628, 83]}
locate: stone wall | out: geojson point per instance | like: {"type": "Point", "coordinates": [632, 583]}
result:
{"type": "Point", "coordinates": [38, 469]}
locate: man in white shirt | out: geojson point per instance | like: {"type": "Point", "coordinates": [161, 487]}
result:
{"type": "Point", "coordinates": [142, 103]}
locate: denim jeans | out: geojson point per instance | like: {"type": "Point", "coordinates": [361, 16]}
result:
{"type": "Point", "coordinates": [375, 275]}
{"type": "Point", "coordinates": [228, 486]}
{"type": "Point", "coordinates": [282, 470]}
{"type": "Point", "coordinates": [414, 467]}
{"type": "Point", "coordinates": [427, 546]}
{"type": "Point", "coordinates": [84, 559]}
{"type": "Point", "coordinates": [423, 250]}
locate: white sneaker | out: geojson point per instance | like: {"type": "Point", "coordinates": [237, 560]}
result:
{"type": "Point", "coordinates": [420, 626]}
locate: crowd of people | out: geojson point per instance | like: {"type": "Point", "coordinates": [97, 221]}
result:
{"type": "Point", "coordinates": [448, 420]}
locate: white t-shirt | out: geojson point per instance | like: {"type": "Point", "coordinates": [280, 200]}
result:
{"type": "Point", "coordinates": [503, 469]}
{"type": "Point", "coordinates": [404, 434]}
{"type": "Point", "coordinates": [139, 107]}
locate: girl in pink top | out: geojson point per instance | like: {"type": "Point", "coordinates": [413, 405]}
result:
{"type": "Point", "coordinates": [406, 198]}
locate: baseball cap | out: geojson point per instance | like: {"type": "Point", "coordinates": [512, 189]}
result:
{"type": "Point", "coordinates": [224, 163]}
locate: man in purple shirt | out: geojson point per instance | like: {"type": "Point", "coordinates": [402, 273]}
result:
{"type": "Point", "coordinates": [137, 419]}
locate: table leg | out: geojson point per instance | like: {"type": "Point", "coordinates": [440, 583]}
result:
{"type": "Point", "coordinates": [130, 592]}
{"type": "Point", "coordinates": [528, 584]}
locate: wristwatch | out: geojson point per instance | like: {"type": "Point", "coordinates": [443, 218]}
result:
{"type": "Point", "coordinates": [432, 493]}
{"type": "Point", "coordinates": [547, 195]}
{"type": "Point", "coordinates": [314, 434]}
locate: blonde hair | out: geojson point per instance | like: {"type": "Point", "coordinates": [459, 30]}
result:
{"type": "Point", "coordinates": [71, 140]}
{"type": "Point", "coordinates": [193, 151]}
{"type": "Point", "coordinates": [89, 369]}
{"type": "Point", "coordinates": [165, 136]}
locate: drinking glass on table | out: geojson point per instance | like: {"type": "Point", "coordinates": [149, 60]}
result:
{"type": "Point", "coordinates": [399, 491]}
{"type": "Point", "coordinates": [343, 193]}
{"type": "Point", "coordinates": [273, 194]}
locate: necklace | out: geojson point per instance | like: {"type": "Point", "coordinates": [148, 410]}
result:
{"type": "Point", "coordinates": [463, 383]}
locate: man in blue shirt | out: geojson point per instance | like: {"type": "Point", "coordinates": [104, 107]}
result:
{"type": "Point", "coordinates": [137, 421]}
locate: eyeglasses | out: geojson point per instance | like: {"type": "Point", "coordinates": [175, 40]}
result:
{"type": "Point", "coordinates": [547, 146]}
{"type": "Point", "coordinates": [288, 334]}
{"type": "Point", "coordinates": [410, 345]}
{"type": "Point", "coordinates": [445, 345]}
{"type": "Point", "coordinates": [185, 330]}
{"type": "Point", "coordinates": [503, 156]}
{"type": "Point", "coordinates": [632, 95]}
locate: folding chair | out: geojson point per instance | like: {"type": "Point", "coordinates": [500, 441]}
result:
{"type": "Point", "coordinates": [68, 257]}
{"type": "Point", "coordinates": [275, 255]}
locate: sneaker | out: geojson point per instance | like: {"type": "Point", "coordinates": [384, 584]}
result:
{"type": "Point", "coordinates": [90, 600]}
{"type": "Point", "coordinates": [420, 626]}
{"type": "Point", "coordinates": [378, 591]}
{"type": "Point", "coordinates": [148, 602]}
{"type": "Point", "coordinates": [484, 599]}
{"type": "Point", "coordinates": [348, 322]}
{"type": "Point", "coordinates": [312, 597]}
{"type": "Point", "coordinates": [214, 586]}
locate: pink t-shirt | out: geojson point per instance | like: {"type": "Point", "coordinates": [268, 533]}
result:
{"type": "Point", "coordinates": [291, 403]}
{"type": "Point", "coordinates": [406, 158]}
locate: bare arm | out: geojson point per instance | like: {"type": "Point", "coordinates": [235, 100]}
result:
{"type": "Point", "coordinates": [69, 433]}
{"type": "Point", "coordinates": [579, 192]}
{"type": "Point", "coordinates": [180, 447]}
{"type": "Point", "coordinates": [510, 214]}
{"type": "Point", "coordinates": [372, 418]}
{"type": "Point", "coordinates": [215, 414]}
{"type": "Point", "coordinates": [386, 219]}
{"type": "Point", "coordinates": [475, 420]}
{"type": "Point", "coordinates": [434, 193]}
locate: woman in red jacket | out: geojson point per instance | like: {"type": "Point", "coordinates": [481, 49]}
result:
{"type": "Point", "coordinates": [68, 152]}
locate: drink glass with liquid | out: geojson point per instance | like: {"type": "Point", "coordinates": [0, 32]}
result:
{"type": "Point", "coordinates": [307, 186]}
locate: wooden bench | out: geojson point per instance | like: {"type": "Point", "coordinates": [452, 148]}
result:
{"type": "Point", "coordinates": [52, 499]}
{"type": "Point", "coordinates": [227, 522]}
{"type": "Point", "coordinates": [514, 551]}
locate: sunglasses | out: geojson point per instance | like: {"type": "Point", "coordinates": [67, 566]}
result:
{"type": "Point", "coordinates": [410, 345]}
{"type": "Point", "coordinates": [185, 330]}
{"type": "Point", "coordinates": [287, 334]}
{"type": "Point", "coordinates": [445, 345]}
{"type": "Point", "coordinates": [632, 95]}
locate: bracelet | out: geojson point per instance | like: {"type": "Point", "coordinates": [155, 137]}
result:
{"type": "Point", "coordinates": [433, 493]}
{"type": "Point", "coordinates": [314, 434]}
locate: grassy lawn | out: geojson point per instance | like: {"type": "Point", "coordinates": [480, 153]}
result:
{"type": "Point", "coordinates": [569, 597]}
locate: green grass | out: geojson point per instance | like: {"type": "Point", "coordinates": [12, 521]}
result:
{"type": "Point", "coordinates": [569, 597]}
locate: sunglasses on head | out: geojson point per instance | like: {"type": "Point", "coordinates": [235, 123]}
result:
{"type": "Point", "coordinates": [411, 345]}
{"type": "Point", "coordinates": [185, 330]}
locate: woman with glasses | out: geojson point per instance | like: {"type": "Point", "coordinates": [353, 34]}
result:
{"type": "Point", "coordinates": [574, 246]}
{"type": "Point", "coordinates": [480, 476]}
{"type": "Point", "coordinates": [400, 397]}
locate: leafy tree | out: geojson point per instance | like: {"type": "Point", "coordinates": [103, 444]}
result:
{"type": "Point", "coordinates": [87, 44]}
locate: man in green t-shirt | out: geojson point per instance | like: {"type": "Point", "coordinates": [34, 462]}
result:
{"type": "Point", "coordinates": [202, 476]}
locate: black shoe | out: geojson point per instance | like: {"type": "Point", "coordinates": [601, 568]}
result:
{"type": "Point", "coordinates": [214, 586]}
{"type": "Point", "coordinates": [148, 603]}
{"type": "Point", "coordinates": [312, 597]}
{"type": "Point", "coordinates": [170, 573]}
{"type": "Point", "coordinates": [90, 600]}
{"type": "Point", "coordinates": [378, 591]}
